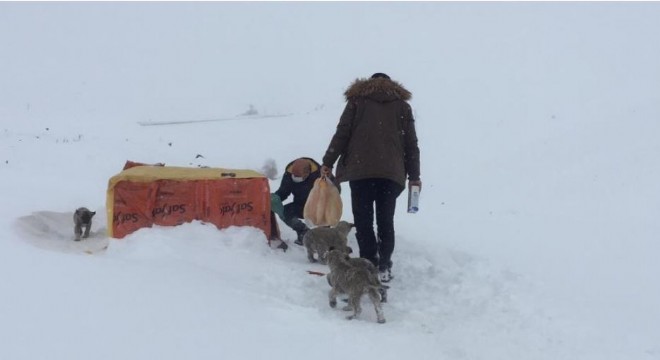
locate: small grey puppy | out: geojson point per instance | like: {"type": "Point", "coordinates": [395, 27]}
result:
{"type": "Point", "coordinates": [347, 278]}
{"type": "Point", "coordinates": [82, 218]}
{"type": "Point", "coordinates": [319, 240]}
{"type": "Point", "coordinates": [373, 270]}
{"type": "Point", "coordinates": [368, 265]}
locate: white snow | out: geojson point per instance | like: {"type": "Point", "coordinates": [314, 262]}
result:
{"type": "Point", "coordinates": [537, 236]}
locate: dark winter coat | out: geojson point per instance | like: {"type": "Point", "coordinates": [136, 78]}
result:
{"type": "Point", "coordinates": [299, 190]}
{"type": "Point", "coordinates": [375, 137]}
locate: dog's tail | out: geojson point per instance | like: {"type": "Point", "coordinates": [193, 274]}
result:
{"type": "Point", "coordinates": [375, 292]}
{"type": "Point", "coordinates": [377, 288]}
{"type": "Point", "coordinates": [375, 281]}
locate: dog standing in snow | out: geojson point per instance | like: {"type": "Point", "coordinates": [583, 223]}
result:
{"type": "Point", "coordinates": [368, 265]}
{"type": "Point", "coordinates": [319, 240]}
{"type": "Point", "coordinates": [354, 280]}
{"type": "Point", "coordinates": [82, 218]}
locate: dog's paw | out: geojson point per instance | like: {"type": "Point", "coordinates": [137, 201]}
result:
{"type": "Point", "coordinates": [347, 308]}
{"type": "Point", "coordinates": [351, 317]}
{"type": "Point", "coordinates": [381, 321]}
{"type": "Point", "coordinates": [333, 303]}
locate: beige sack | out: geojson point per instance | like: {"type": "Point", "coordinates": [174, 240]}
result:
{"type": "Point", "coordinates": [323, 206]}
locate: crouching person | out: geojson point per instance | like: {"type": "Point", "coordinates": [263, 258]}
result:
{"type": "Point", "coordinates": [298, 180]}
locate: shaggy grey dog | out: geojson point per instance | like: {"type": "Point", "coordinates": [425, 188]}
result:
{"type": "Point", "coordinates": [355, 280]}
{"type": "Point", "coordinates": [82, 218]}
{"type": "Point", "coordinates": [368, 265]}
{"type": "Point", "coordinates": [319, 240]}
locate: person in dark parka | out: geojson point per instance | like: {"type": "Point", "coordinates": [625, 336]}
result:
{"type": "Point", "coordinates": [375, 147]}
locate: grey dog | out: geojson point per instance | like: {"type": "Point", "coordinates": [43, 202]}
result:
{"type": "Point", "coordinates": [354, 280]}
{"type": "Point", "coordinates": [368, 265]}
{"type": "Point", "coordinates": [82, 218]}
{"type": "Point", "coordinates": [319, 240]}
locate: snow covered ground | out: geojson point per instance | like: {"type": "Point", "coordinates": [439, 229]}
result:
{"type": "Point", "coordinates": [537, 236]}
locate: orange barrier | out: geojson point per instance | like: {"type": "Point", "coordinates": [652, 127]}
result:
{"type": "Point", "coordinates": [142, 196]}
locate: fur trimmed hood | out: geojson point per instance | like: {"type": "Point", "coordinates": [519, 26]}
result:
{"type": "Point", "coordinates": [379, 89]}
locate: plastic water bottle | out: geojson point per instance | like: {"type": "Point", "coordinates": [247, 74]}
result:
{"type": "Point", "coordinates": [413, 199]}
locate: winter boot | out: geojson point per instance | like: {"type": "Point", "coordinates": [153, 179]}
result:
{"type": "Point", "coordinates": [299, 240]}
{"type": "Point", "coordinates": [385, 275]}
{"type": "Point", "coordinates": [300, 229]}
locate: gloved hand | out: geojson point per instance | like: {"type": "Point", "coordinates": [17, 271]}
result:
{"type": "Point", "coordinates": [276, 205]}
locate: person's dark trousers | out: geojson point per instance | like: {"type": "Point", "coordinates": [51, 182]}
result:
{"type": "Point", "coordinates": [292, 215]}
{"type": "Point", "coordinates": [364, 194]}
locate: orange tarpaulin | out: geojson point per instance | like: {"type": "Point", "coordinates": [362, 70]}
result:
{"type": "Point", "coordinates": [142, 196]}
